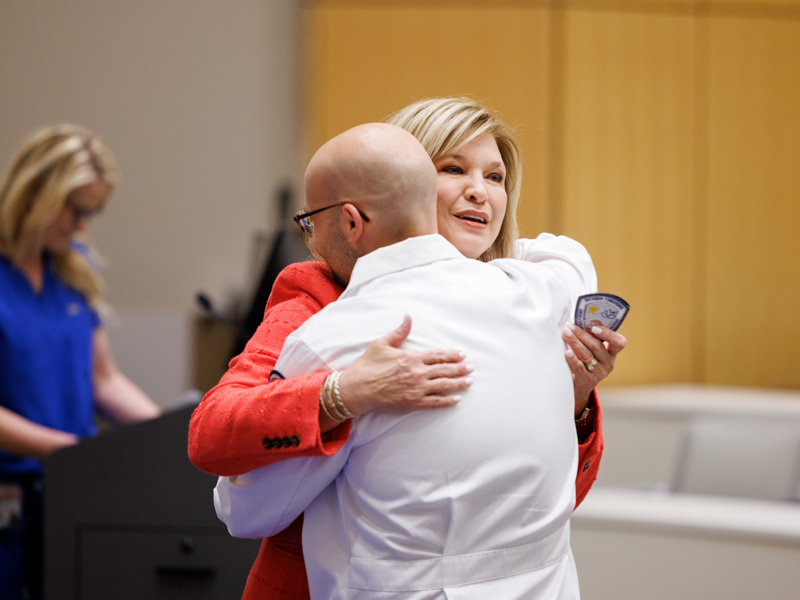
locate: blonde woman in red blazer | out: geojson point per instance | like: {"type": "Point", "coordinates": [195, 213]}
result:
{"type": "Point", "coordinates": [248, 421]}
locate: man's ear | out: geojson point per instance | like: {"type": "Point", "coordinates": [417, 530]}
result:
{"type": "Point", "coordinates": [352, 223]}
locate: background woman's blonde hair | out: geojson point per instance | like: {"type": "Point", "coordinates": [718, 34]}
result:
{"type": "Point", "coordinates": [443, 124]}
{"type": "Point", "coordinates": [51, 163]}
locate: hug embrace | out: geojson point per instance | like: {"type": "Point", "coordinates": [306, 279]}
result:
{"type": "Point", "coordinates": [440, 460]}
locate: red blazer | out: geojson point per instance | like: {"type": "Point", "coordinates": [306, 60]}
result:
{"type": "Point", "coordinates": [228, 431]}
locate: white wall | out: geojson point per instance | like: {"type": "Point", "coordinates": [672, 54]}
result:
{"type": "Point", "coordinates": [200, 102]}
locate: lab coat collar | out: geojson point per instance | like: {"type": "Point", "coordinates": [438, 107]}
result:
{"type": "Point", "coordinates": [410, 253]}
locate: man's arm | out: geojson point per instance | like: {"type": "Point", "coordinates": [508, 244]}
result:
{"type": "Point", "coordinates": [566, 257]}
{"type": "Point", "coordinates": [266, 501]}
{"type": "Point", "coordinates": [576, 270]}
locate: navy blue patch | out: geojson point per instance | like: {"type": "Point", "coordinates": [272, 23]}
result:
{"type": "Point", "coordinates": [275, 375]}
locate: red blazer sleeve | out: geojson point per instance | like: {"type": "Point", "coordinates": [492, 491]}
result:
{"type": "Point", "coordinates": [246, 421]}
{"type": "Point", "coordinates": [590, 450]}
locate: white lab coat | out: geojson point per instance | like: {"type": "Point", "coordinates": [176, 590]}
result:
{"type": "Point", "coordinates": [467, 502]}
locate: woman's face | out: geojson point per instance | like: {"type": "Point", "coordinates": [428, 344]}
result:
{"type": "Point", "coordinates": [81, 205]}
{"type": "Point", "coordinates": [471, 195]}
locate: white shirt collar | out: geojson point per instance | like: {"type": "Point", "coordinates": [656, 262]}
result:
{"type": "Point", "coordinates": [410, 253]}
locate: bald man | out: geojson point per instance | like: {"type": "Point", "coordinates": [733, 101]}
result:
{"type": "Point", "coordinates": [397, 187]}
{"type": "Point", "coordinates": [468, 502]}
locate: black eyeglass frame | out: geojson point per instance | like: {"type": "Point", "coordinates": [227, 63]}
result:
{"type": "Point", "coordinates": [79, 214]}
{"type": "Point", "coordinates": [308, 227]}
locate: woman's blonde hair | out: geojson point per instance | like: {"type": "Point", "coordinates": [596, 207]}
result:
{"type": "Point", "coordinates": [443, 124]}
{"type": "Point", "coordinates": [51, 163]}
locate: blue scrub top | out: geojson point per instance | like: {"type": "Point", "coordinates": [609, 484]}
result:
{"type": "Point", "coordinates": [46, 357]}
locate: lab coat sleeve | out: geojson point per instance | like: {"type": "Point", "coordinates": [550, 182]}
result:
{"type": "Point", "coordinates": [266, 501]}
{"type": "Point", "coordinates": [574, 265]}
{"type": "Point", "coordinates": [566, 257]}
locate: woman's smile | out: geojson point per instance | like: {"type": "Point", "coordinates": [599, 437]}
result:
{"type": "Point", "coordinates": [473, 218]}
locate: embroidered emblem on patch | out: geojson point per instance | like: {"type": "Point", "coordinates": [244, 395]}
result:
{"type": "Point", "coordinates": [73, 309]}
{"type": "Point", "coordinates": [275, 375]}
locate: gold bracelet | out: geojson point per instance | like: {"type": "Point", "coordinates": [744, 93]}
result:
{"type": "Point", "coordinates": [322, 402]}
{"type": "Point", "coordinates": [339, 402]}
{"type": "Point", "coordinates": [338, 416]}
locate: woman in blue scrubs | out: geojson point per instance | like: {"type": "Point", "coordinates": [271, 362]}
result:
{"type": "Point", "coordinates": [56, 365]}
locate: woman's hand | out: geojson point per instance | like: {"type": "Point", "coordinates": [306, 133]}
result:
{"type": "Point", "coordinates": [387, 379]}
{"type": "Point", "coordinates": [23, 437]}
{"type": "Point", "coordinates": [602, 345]}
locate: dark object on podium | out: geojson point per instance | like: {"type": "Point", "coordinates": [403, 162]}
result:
{"type": "Point", "coordinates": [127, 516]}
{"type": "Point", "coordinates": [287, 248]}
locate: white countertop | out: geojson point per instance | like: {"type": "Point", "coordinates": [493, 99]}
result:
{"type": "Point", "coordinates": [743, 519]}
{"type": "Point", "coordinates": [684, 400]}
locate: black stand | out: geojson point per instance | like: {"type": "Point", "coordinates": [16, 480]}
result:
{"type": "Point", "coordinates": [127, 516]}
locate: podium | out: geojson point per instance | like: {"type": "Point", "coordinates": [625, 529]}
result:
{"type": "Point", "coordinates": [127, 516]}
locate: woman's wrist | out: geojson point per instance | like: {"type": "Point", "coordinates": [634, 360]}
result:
{"type": "Point", "coordinates": [331, 401]}
{"type": "Point", "coordinates": [584, 403]}
{"type": "Point", "coordinates": [585, 421]}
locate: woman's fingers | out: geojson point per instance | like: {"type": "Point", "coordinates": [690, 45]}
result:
{"type": "Point", "coordinates": [432, 357]}
{"type": "Point", "coordinates": [615, 342]}
{"type": "Point", "coordinates": [399, 335]}
{"type": "Point", "coordinates": [422, 381]}
{"type": "Point", "coordinates": [580, 352]}
{"type": "Point", "coordinates": [591, 358]}
{"type": "Point", "coordinates": [429, 357]}
{"type": "Point", "coordinates": [389, 379]}
{"type": "Point", "coordinates": [445, 370]}
{"type": "Point", "coordinates": [576, 365]}
{"type": "Point", "coordinates": [433, 402]}
{"type": "Point", "coordinates": [585, 345]}
{"type": "Point", "coordinates": [446, 385]}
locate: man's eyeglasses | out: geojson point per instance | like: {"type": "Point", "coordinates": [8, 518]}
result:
{"type": "Point", "coordinates": [307, 225]}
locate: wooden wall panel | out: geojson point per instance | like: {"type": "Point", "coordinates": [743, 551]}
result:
{"type": "Point", "coordinates": [663, 134]}
{"type": "Point", "coordinates": [627, 177]}
{"type": "Point", "coordinates": [369, 61]}
{"type": "Point", "coordinates": [757, 6]}
{"type": "Point", "coordinates": [754, 202]}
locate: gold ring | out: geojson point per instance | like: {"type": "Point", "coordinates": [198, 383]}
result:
{"type": "Point", "coordinates": [590, 365]}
